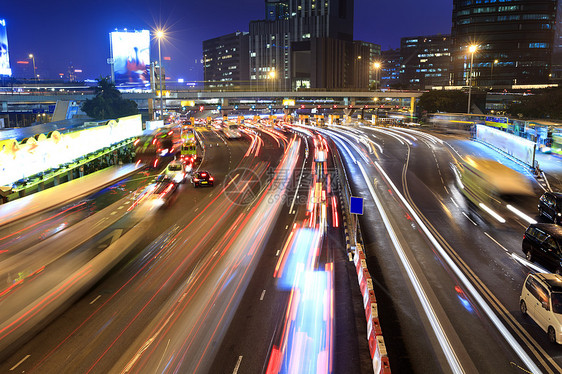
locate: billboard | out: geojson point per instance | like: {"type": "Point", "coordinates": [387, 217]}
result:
{"type": "Point", "coordinates": [4, 57]}
{"type": "Point", "coordinates": [130, 51]}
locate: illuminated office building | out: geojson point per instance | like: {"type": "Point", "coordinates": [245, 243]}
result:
{"type": "Point", "coordinates": [425, 61]}
{"type": "Point", "coordinates": [225, 61]}
{"type": "Point", "coordinates": [519, 42]}
{"type": "Point", "coordinates": [303, 44]}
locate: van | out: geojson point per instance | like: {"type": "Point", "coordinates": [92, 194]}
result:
{"type": "Point", "coordinates": [541, 299]}
{"type": "Point", "coordinates": [550, 206]}
{"type": "Point", "coordinates": [542, 242]}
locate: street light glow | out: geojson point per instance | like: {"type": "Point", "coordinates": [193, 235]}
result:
{"type": "Point", "coordinates": [159, 34]}
{"type": "Point", "coordinates": [377, 65]}
{"type": "Point", "coordinates": [272, 74]}
{"type": "Point", "coordinates": [31, 55]}
{"type": "Point", "coordinates": [472, 48]}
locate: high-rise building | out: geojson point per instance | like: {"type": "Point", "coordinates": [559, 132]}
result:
{"type": "Point", "coordinates": [276, 9]}
{"type": "Point", "coordinates": [289, 35]}
{"type": "Point", "coordinates": [391, 64]}
{"type": "Point", "coordinates": [225, 60]}
{"type": "Point", "coordinates": [426, 61]}
{"type": "Point", "coordinates": [374, 57]}
{"type": "Point", "coordinates": [515, 40]}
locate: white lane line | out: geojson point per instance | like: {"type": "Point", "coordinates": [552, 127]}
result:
{"type": "Point", "coordinates": [262, 295]}
{"type": "Point", "coordinates": [467, 217]}
{"type": "Point", "coordinates": [454, 202]}
{"type": "Point", "coordinates": [96, 299]}
{"type": "Point", "coordinates": [297, 191]}
{"type": "Point", "coordinates": [495, 241]}
{"type": "Point", "coordinates": [19, 363]}
{"type": "Point", "coordinates": [237, 365]}
{"type": "Point", "coordinates": [277, 254]}
{"type": "Point", "coordinates": [113, 213]}
{"type": "Point", "coordinates": [286, 227]}
{"type": "Point", "coordinates": [121, 207]}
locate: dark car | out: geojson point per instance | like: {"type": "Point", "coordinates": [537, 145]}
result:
{"type": "Point", "coordinates": [550, 206]}
{"type": "Point", "coordinates": [202, 178]}
{"type": "Point", "coordinates": [543, 243]}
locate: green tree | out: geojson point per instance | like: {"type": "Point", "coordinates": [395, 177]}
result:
{"type": "Point", "coordinates": [108, 102]}
{"type": "Point", "coordinates": [443, 101]}
{"type": "Point", "coordinates": [546, 104]}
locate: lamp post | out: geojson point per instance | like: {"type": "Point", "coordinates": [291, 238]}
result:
{"type": "Point", "coordinates": [471, 49]}
{"type": "Point", "coordinates": [34, 71]}
{"type": "Point", "coordinates": [160, 35]}
{"type": "Point", "coordinates": [272, 77]}
{"type": "Point", "coordinates": [377, 70]}
{"type": "Point", "coordinates": [492, 72]}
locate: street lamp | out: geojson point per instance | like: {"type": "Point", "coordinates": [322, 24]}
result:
{"type": "Point", "coordinates": [492, 72]}
{"type": "Point", "coordinates": [160, 35]}
{"type": "Point", "coordinates": [471, 49]}
{"type": "Point", "coordinates": [34, 71]}
{"type": "Point", "coordinates": [377, 70]}
{"type": "Point", "coordinates": [272, 77]}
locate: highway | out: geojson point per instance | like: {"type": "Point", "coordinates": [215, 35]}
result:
{"type": "Point", "coordinates": [248, 275]}
{"type": "Point", "coordinates": [437, 260]}
{"type": "Point", "coordinates": [171, 297]}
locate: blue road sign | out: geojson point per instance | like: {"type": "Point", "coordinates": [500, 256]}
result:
{"type": "Point", "coordinates": [356, 205]}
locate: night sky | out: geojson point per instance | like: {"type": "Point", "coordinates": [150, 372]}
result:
{"type": "Point", "coordinates": [62, 32]}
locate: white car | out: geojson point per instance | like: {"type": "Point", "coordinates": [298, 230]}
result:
{"type": "Point", "coordinates": [541, 299]}
{"type": "Point", "coordinates": [176, 171]}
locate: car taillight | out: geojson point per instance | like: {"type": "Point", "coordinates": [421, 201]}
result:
{"type": "Point", "coordinates": [211, 179]}
{"type": "Point", "coordinates": [195, 180]}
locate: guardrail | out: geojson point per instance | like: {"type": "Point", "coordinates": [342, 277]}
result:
{"type": "Point", "coordinates": [377, 346]}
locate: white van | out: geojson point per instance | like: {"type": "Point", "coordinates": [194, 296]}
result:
{"type": "Point", "coordinates": [541, 299]}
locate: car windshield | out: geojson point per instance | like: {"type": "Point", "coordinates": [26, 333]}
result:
{"type": "Point", "coordinates": [556, 298]}
{"type": "Point", "coordinates": [174, 167]}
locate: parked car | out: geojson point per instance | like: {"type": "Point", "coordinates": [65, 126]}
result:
{"type": "Point", "coordinates": [542, 242]}
{"type": "Point", "coordinates": [541, 299]}
{"type": "Point", "coordinates": [550, 206]}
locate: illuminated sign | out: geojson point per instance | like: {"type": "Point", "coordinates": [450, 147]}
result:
{"type": "Point", "coordinates": [130, 51]}
{"type": "Point", "coordinates": [4, 57]}
{"type": "Point", "coordinates": [38, 153]}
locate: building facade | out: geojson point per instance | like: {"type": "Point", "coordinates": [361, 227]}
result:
{"type": "Point", "coordinates": [515, 40]}
{"type": "Point", "coordinates": [426, 61]}
{"type": "Point", "coordinates": [391, 65]}
{"type": "Point", "coordinates": [225, 61]}
{"type": "Point", "coordinates": [284, 47]}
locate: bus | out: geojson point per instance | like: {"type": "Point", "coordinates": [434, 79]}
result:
{"type": "Point", "coordinates": [484, 181]}
{"type": "Point", "coordinates": [159, 144]}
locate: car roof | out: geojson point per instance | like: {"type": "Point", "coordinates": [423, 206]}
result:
{"type": "Point", "coordinates": [550, 228]}
{"type": "Point", "coordinates": [553, 281]}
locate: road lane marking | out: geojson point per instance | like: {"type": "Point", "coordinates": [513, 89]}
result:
{"type": "Point", "coordinates": [23, 359]}
{"type": "Point", "coordinates": [121, 207]}
{"type": "Point", "coordinates": [113, 213]}
{"type": "Point", "coordinates": [237, 365]}
{"type": "Point", "coordinates": [495, 241]}
{"type": "Point", "coordinates": [96, 299]}
{"type": "Point", "coordinates": [467, 217]}
{"type": "Point", "coordinates": [262, 295]}
{"type": "Point", "coordinates": [277, 254]}
{"type": "Point", "coordinates": [286, 227]}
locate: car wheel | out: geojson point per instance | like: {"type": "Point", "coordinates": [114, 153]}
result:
{"type": "Point", "coordinates": [529, 256]}
{"type": "Point", "coordinates": [551, 334]}
{"type": "Point", "coordinates": [523, 307]}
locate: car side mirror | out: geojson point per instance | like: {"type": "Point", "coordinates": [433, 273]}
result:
{"type": "Point", "coordinates": [545, 305]}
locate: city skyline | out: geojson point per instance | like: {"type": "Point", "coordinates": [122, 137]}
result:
{"type": "Point", "coordinates": [187, 25]}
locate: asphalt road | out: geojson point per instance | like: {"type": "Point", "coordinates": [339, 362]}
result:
{"type": "Point", "coordinates": [447, 276]}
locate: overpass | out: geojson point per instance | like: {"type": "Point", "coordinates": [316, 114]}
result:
{"type": "Point", "coordinates": [26, 101]}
